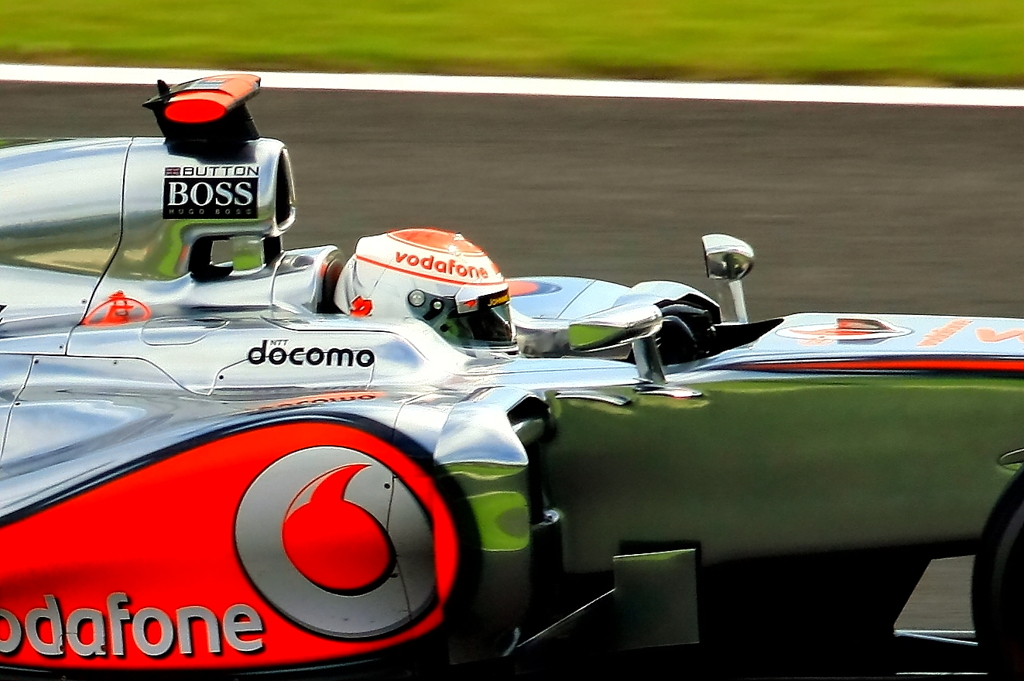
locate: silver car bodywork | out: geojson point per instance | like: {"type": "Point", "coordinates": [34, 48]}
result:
{"type": "Point", "coordinates": [560, 461]}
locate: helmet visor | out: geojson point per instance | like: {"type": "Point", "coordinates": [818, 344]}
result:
{"type": "Point", "coordinates": [482, 321]}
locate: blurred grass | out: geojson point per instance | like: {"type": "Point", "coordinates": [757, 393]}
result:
{"type": "Point", "coordinates": [907, 41]}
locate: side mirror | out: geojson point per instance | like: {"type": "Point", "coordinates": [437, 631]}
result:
{"type": "Point", "coordinates": [729, 259]}
{"type": "Point", "coordinates": [614, 327]}
{"type": "Point", "coordinates": [635, 323]}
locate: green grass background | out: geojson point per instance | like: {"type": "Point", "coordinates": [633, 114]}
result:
{"type": "Point", "coordinates": [879, 41]}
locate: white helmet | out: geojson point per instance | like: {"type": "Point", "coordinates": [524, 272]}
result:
{"type": "Point", "coordinates": [435, 276]}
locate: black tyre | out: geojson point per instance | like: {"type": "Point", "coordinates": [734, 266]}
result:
{"type": "Point", "coordinates": [998, 585]}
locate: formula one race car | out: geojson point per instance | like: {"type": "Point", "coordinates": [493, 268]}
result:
{"type": "Point", "coordinates": [222, 456]}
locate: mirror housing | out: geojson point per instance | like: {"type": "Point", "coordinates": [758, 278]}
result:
{"type": "Point", "coordinates": [614, 327]}
{"type": "Point", "coordinates": [729, 259]}
{"type": "Point", "coordinates": [726, 257]}
{"type": "Point", "coordinates": [635, 323]}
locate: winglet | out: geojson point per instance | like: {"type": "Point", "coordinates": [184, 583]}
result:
{"type": "Point", "coordinates": [209, 109]}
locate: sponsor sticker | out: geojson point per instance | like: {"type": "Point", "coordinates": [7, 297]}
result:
{"type": "Point", "coordinates": [297, 542]}
{"type": "Point", "coordinates": [428, 253]}
{"type": "Point", "coordinates": [498, 299]}
{"type": "Point", "coordinates": [211, 192]}
{"type": "Point", "coordinates": [117, 309]}
{"type": "Point", "coordinates": [112, 630]}
{"type": "Point", "coordinates": [278, 352]}
{"type": "Point", "coordinates": [413, 263]}
{"type": "Point", "coordinates": [941, 334]}
{"type": "Point", "coordinates": [993, 336]}
{"type": "Point", "coordinates": [339, 542]}
{"type": "Point", "coordinates": [843, 329]}
{"type": "Point", "coordinates": [325, 398]}
{"type": "Point", "coordinates": [361, 307]}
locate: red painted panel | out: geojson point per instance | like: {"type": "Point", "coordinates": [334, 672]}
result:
{"type": "Point", "coordinates": [164, 537]}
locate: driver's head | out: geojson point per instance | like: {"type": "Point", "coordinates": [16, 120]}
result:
{"type": "Point", "coordinates": [435, 276]}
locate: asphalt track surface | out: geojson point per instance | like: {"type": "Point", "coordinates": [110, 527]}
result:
{"type": "Point", "coordinates": [852, 208]}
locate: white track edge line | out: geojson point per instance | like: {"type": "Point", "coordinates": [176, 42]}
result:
{"type": "Point", "coordinates": [548, 87]}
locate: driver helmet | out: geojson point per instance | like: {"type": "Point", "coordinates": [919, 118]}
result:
{"type": "Point", "coordinates": [434, 276]}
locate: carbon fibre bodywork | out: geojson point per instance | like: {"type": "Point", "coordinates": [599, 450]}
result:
{"type": "Point", "coordinates": [192, 409]}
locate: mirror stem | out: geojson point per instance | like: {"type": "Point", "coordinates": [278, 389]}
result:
{"type": "Point", "coordinates": [739, 303]}
{"type": "Point", "coordinates": [648, 360]}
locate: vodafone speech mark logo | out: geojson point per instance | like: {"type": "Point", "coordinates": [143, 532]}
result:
{"type": "Point", "coordinates": [355, 554]}
{"type": "Point", "coordinates": [338, 542]}
{"type": "Point", "coordinates": [843, 329]}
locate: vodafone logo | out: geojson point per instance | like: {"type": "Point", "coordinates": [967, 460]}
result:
{"type": "Point", "coordinates": [339, 542]}
{"type": "Point", "coordinates": [843, 329]}
{"type": "Point", "coordinates": [428, 253]}
{"type": "Point", "coordinates": [152, 631]}
{"type": "Point", "coordinates": [445, 266]}
{"type": "Point", "coordinates": [351, 555]}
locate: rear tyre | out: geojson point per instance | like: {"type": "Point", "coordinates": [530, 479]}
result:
{"type": "Point", "coordinates": [998, 585]}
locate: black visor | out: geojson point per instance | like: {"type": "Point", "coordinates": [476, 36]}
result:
{"type": "Point", "coordinates": [482, 322]}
